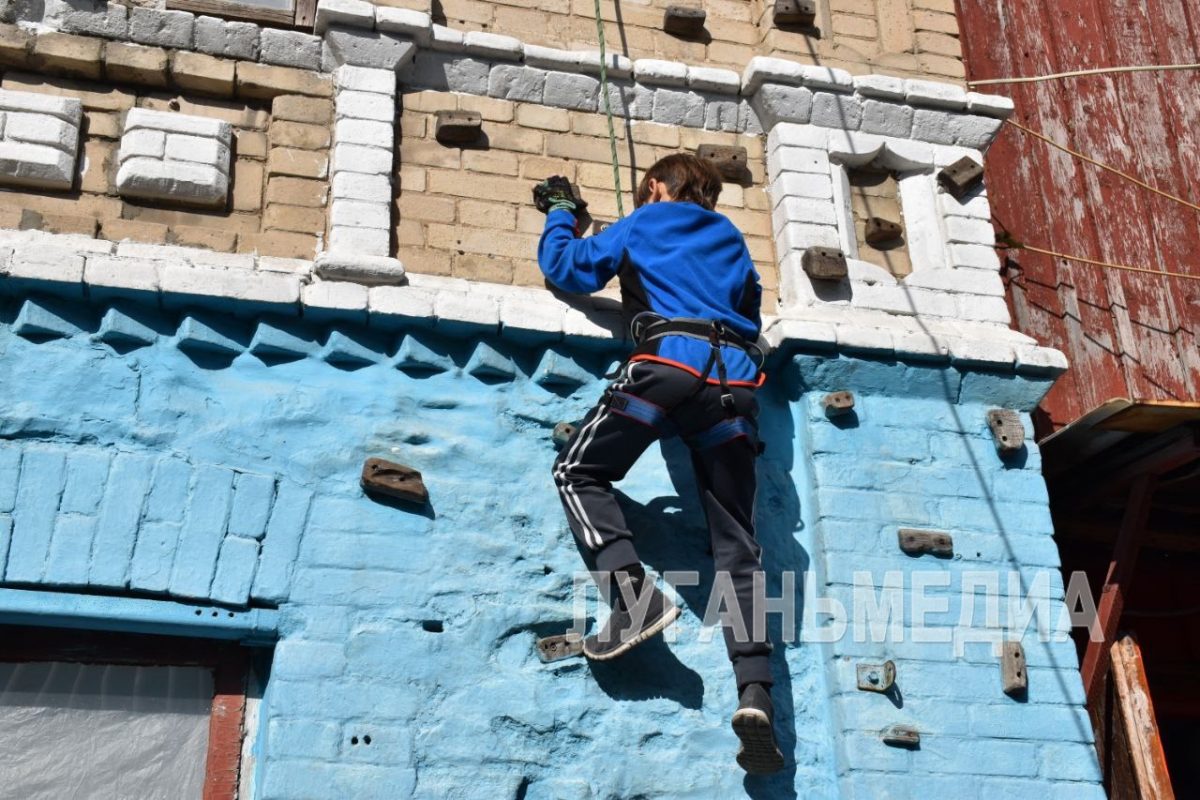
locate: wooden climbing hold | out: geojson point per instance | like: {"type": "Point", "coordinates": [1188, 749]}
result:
{"type": "Point", "coordinates": [394, 480]}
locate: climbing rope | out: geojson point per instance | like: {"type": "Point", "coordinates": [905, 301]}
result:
{"type": "Point", "coordinates": [1079, 73]}
{"type": "Point", "coordinates": [612, 131]}
{"type": "Point", "coordinates": [1013, 245]}
{"type": "Point", "coordinates": [1103, 166]}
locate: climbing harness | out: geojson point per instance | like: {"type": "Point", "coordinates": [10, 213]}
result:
{"type": "Point", "coordinates": [647, 329]}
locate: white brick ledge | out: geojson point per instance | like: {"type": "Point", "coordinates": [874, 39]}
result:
{"type": "Point", "coordinates": [75, 266]}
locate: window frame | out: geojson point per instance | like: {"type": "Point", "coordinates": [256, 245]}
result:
{"type": "Point", "coordinates": [303, 16]}
{"type": "Point", "coordinates": [229, 662]}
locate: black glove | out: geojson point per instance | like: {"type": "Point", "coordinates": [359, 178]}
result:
{"type": "Point", "coordinates": [556, 192]}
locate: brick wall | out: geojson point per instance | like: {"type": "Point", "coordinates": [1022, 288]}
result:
{"type": "Point", "coordinates": [278, 171]}
{"type": "Point", "coordinates": [899, 37]}
{"type": "Point", "coordinates": [467, 213]}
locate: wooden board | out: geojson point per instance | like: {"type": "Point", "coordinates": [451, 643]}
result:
{"type": "Point", "coordinates": [1126, 334]}
{"type": "Point", "coordinates": [1143, 774]}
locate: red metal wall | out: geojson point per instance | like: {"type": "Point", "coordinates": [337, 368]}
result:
{"type": "Point", "coordinates": [1126, 334]}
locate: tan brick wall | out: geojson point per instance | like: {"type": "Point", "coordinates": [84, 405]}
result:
{"type": "Point", "coordinates": [279, 169]}
{"type": "Point", "coordinates": [916, 38]}
{"type": "Point", "coordinates": [876, 193]}
{"type": "Point", "coordinates": [467, 212]}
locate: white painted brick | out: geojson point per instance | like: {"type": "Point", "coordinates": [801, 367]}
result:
{"type": "Point", "coordinates": [68, 109]}
{"type": "Point", "coordinates": [974, 256]}
{"type": "Point", "coordinates": [660, 73]}
{"type": "Point", "coordinates": [678, 108]}
{"type": "Point", "coordinates": [144, 143]}
{"type": "Point", "coordinates": [970, 231]}
{"type": "Point", "coordinates": [122, 273]}
{"type": "Point", "coordinates": [248, 285]}
{"type": "Point", "coordinates": [351, 13]}
{"type": "Point", "coordinates": [357, 186]}
{"type": "Point", "coordinates": [35, 165]}
{"type": "Point", "coordinates": [797, 159]}
{"type": "Point", "coordinates": [365, 132]}
{"type": "Point", "coordinates": [178, 181]}
{"type": "Point", "coordinates": [339, 264]}
{"type": "Point", "coordinates": [365, 105]}
{"type": "Point", "coordinates": [446, 38]}
{"type": "Point", "coordinates": [615, 64]}
{"type": "Point", "coordinates": [365, 241]}
{"type": "Point", "coordinates": [806, 210]}
{"type": "Point", "coordinates": [177, 123]}
{"type": "Point", "coordinates": [909, 154]}
{"type": "Point", "coordinates": [161, 28]}
{"type": "Point", "coordinates": [42, 129]}
{"type": "Point", "coordinates": [944, 155]}
{"type": "Point", "coordinates": [290, 49]}
{"type": "Point", "coordinates": [840, 111]}
{"type": "Point", "coordinates": [406, 22]}
{"type": "Point", "coordinates": [292, 266]}
{"type": "Point", "coordinates": [854, 147]}
{"type": "Point", "coordinates": [982, 309]}
{"type": "Point", "coordinates": [633, 101]}
{"type": "Point", "coordinates": [592, 325]}
{"type": "Point", "coordinates": [800, 331]}
{"type": "Point", "coordinates": [365, 79]}
{"type": "Point", "coordinates": [526, 312]}
{"type": "Point", "coordinates": [924, 344]}
{"type": "Point", "coordinates": [1031, 358]}
{"type": "Point", "coordinates": [990, 105]}
{"type": "Point", "coordinates": [198, 149]}
{"type": "Point", "coordinates": [576, 92]}
{"type": "Point", "coordinates": [42, 263]}
{"type": "Point", "coordinates": [360, 214]}
{"type": "Point", "coordinates": [863, 338]}
{"type": "Point", "coordinates": [357, 158]}
{"type": "Point", "coordinates": [799, 236]}
{"type": "Point", "coordinates": [887, 119]}
{"type": "Point", "coordinates": [191, 255]}
{"type": "Point", "coordinates": [520, 84]}
{"type": "Point", "coordinates": [366, 48]}
{"type": "Point", "coordinates": [762, 69]}
{"type": "Point", "coordinates": [402, 301]}
{"type": "Point", "coordinates": [789, 135]}
{"type": "Point", "coordinates": [471, 310]}
{"type": "Point", "coordinates": [780, 104]}
{"type": "Point", "coordinates": [976, 207]}
{"type": "Point", "coordinates": [493, 45]}
{"type": "Point", "coordinates": [802, 184]}
{"type": "Point", "coordinates": [970, 281]}
{"type": "Point", "coordinates": [981, 353]}
{"type": "Point", "coordinates": [725, 81]}
{"type": "Point", "coordinates": [883, 86]}
{"type": "Point", "coordinates": [935, 95]}
{"type": "Point", "coordinates": [219, 37]}
{"type": "Point", "coordinates": [551, 58]}
{"type": "Point", "coordinates": [440, 283]}
{"type": "Point", "coordinates": [336, 295]}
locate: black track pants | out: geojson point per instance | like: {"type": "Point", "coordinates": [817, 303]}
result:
{"type": "Point", "coordinates": [606, 446]}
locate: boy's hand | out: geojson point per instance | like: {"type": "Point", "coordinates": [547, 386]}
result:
{"type": "Point", "coordinates": [556, 193]}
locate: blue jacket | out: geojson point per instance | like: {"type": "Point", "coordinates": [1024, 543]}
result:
{"type": "Point", "coordinates": [674, 259]}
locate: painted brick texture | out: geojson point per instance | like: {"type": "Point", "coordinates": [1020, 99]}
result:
{"type": "Point", "coordinates": [901, 37]}
{"type": "Point", "coordinates": [466, 212]}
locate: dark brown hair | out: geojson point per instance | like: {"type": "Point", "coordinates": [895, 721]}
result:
{"type": "Point", "coordinates": [689, 179]}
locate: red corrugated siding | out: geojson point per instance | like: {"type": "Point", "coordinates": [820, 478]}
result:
{"type": "Point", "coordinates": [1127, 335]}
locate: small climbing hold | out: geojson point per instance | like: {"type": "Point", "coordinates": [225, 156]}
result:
{"type": "Point", "coordinates": [394, 480]}
{"type": "Point", "coordinates": [838, 403]}
{"type": "Point", "coordinates": [562, 434]}
{"type": "Point", "coordinates": [1007, 430]}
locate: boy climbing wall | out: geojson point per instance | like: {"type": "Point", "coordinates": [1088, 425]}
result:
{"type": "Point", "coordinates": [691, 289]}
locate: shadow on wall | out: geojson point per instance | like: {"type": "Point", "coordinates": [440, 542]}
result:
{"type": "Point", "coordinates": [671, 535]}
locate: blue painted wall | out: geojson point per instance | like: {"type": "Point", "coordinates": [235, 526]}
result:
{"type": "Point", "coordinates": [210, 459]}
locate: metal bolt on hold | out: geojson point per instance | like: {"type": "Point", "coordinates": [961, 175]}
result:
{"type": "Point", "coordinates": [1013, 675]}
{"type": "Point", "coordinates": [901, 736]}
{"type": "Point", "coordinates": [919, 543]}
{"type": "Point", "coordinates": [795, 12]}
{"type": "Point", "coordinates": [961, 176]}
{"type": "Point", "coordinates": [684, 21]}
{"type": "Point", "coordinates": [877, 677]}
{"type": "Point", "coordinates": [824, 263]}
{"type": "Point", "coordinates": [458, 127]}
{"type": "Point", "coordinates": [1007, 430]}
{"type": "Point", "coordinates": [837, 404]}
{"type": "Point", "coordinates": [562, 434]}
{"type": "Point", "coordinates": [557, 648]}
{"type": "Point", "coordinates": [730, 160]}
